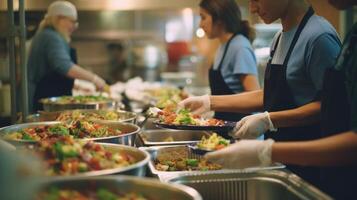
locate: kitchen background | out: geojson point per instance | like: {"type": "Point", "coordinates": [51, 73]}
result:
{"type": "Point", "coordinates": [154, 39]}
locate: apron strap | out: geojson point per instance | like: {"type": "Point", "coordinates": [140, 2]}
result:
{"type": "Point", "coordinates": [304, 21]}
{"type": "Point", "coordinates": [225, 51]}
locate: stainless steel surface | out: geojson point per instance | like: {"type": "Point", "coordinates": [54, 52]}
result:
{"type": "Point", "coordinates": [42, 116]}
{"type": "Point", "coordinates": [128, 138]}
{"type": "Point", "coordinates": [11, 42]}
{"type": "Point", "coordinates": [149, 188]}
{"type": "Point", "coordinates": [165, 175]}
{"type": "Point", "coordinates": [54, 106]}
{"type": "Point", "coordinates": [24, 80]}
{"type": "Point", "coordinates": [267, 185]}
{"type": "Point", "coordinates": [171, 137]}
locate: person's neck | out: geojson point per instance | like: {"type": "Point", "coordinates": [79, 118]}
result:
{"type": "Point", "coordinates": [225, 37]}
{"type": "Point", "coordinates": [294, 14]}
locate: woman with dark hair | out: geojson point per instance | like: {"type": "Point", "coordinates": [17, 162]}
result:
{"type": "Point", "coordinates": [235, 68]}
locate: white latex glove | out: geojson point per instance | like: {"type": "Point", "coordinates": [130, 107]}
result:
{"type": "Point", "coordinates": [99, 83]}
{"type": "Point", "coordinates": [252, 126]}
{"type": "Point", "coordinates": [197, 105]}
{"type": "Point", "coordinates": [243, 154]}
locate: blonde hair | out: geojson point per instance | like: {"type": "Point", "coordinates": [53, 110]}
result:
{"type": "Point", "coordinates": [53, 21]}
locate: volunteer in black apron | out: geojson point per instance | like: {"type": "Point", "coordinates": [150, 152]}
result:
{"type": "Point", "coordinates": [234, 69]}
{"type": "Point", "coordinates": [52, 64]}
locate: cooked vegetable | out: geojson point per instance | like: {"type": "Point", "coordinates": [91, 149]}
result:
{"type": "Point", "coordinates": [77, 99]}
{"type": "Point", "coordinates": [214, 142]}
{"type": "Point", "coordinates": [76, 115]}
{"type": "Point", "coordinates": [166, 96]}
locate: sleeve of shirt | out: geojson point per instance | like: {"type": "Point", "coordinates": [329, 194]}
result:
{"type": "Point", "coordinates": [58, 55]}
{"type": "Point", "coordinates": [245, 62]}
{"type": "Point", "coordinates": [322, 55]}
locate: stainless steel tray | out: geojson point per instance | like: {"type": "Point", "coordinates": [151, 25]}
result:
{"type": "Point", "coordinates": [149, 188]}
{"type": "Point", "coordinates": [165, 175]}
{"type": "Point", "coordinates": [171, 137]}
{"type": "Point", "coordinates": [51, 104]}
{"type": "Point", "coordinates": [43, 116]}
{"type": "Point", "coordinates": [262, 185]}
{"type": "Point", "coordinates": [128, 138]}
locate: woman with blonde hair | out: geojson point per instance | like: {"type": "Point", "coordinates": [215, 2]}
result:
{"type": "Point", "coordinates": [52, 62]}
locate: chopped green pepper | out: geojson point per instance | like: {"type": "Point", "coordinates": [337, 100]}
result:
{"type": "Point", "coordinates": [192, 162]}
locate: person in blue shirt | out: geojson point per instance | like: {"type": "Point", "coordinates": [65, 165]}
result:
{"type": "Point", "coordinates": [52, 62]}
{"type": "Point", "coordinates": [235, 67]}
{"type": "Point", "coordinates": [291, 98]}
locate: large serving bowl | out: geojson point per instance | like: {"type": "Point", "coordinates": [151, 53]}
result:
{"type": "Point", "coordinates": [127, 138]}
{"type": "Point", "coordinates": [43, 116]}
{"type": "Point", "coordinates": [149, 188]}
{"type": "Point", "coordinates": [55, 104]}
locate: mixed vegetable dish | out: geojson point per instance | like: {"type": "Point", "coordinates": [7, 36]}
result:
{"type": "Point", "coordinates": [213, 142]}
{"type": "Point", "coordinates": [166, 96]}
{"type": "Point", "coordinates": [77, 129]}
{"type": "Point", "coordinates": [77, 99]}
{"type": "Point", "coordinates": [55, 193]}
{"type": "Point", "coordinates": [69, 116]}
{"type": "Point", "coordinates": [65, 156]}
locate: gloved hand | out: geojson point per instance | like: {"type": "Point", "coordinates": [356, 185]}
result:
{"type": "Point", "coordinates": [252, 126]}
{"type": "Point", "coordinates": [243, 154]}
{"type": "Point", "coordinates": [197, 105]}
{"type": "Point", "coordinates": [99, 83]}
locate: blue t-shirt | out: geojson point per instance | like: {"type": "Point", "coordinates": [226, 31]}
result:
{"type": "Point", "coordinates": [49, 52]}
{"type": "Point", "coordinates": [239, 59]}
{"type": "Point", "coordinates": [316, 49]}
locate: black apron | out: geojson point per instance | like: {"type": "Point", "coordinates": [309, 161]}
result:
{"type": "Point", "coordinates": [54, 84]}
{"type": "Point", "coordinates": [278, 97]}
{"type": "Point", "coordinates": [339, 182]}
{"type": "Point", "coordinates": [219, 87]}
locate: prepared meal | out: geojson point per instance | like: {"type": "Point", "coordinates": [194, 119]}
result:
{"type": "Point", "coordinates": [185, 117]}
{"type": "Point", "coordinates": [65, 156]}
{"type": "Point", "coordinates": [75, 115]}
{"type": "Point", "coordinates": [166, 95]}
{"type": "Point", "coordinates": [55, 193]}
{"type": "Point", "coordinates": [213, 142]}
{"type": "Point", "coordinates": [77, 99]}
{"type": "Point", "coordinates": [178, 159]}
{"type": "Point", "coordinates": [77, 129]}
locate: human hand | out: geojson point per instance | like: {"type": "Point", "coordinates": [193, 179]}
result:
{"type": "Point", "coordinates": [197, 105]}
{"type": "Point", "coordinates": [99, 83]}
{"type": "Point", "coordinates": [243, 154]}
{"type": "Point", "coordinates": [252, 126]}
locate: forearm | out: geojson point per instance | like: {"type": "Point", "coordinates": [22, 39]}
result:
{"type": "Point", "coordinates": [245, 102]}
{"type": "Point", "coordinates": [304, 115]}
{"type": "Point", "coordinates": [77, 72]}
{"type": "Point", "coordinates": [336, 150]}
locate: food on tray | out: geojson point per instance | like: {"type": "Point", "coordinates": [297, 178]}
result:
{"type": "Point", "coordinates": [214, 142]}
{"type": "Point", "coordinates": [77, 99]}
{"type": "Point", "coordinates": [55, 193]}
{"type": "Point", "coordinates": [77, 129]}
{"type": "Point", "coordinates": [185, 117]}
{"type": "Point", "coordinates": [178, 159]}
{"type": "Point", "coordinates": [65, 156]}
{"type": "Point", "coordinates": [166, 95]}
{"type": "Point", "coordinates": [75, 115]}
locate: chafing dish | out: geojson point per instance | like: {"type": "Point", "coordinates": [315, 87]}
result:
{"type": "Point", "coordinates": [171, 137]}
{"type": "Point", "coordinates": [149, 188]}
{"type": "Point", "coordinates": [267, 185]}
{"type": "Point", "coordinates": [156, 151]}
{"type": "Point", "coordinates": [52, 104]}
{"type": "Point", "coordinates": [128, 138]}
{"type": "Point", "coordinates": [43, 116]}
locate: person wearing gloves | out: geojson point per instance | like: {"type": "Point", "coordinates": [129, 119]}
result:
{"type": "Point", "coordinates": [51, 61]}
{"type": "Point", "coordinates": [337, 151]}
{"type": "Point", "coordinates": [234, 69]}
{"type": "Point", "coordinates": [300, 54]}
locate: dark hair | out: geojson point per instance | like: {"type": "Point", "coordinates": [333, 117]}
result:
{"type": "Point", "coordinates": [228, 13]}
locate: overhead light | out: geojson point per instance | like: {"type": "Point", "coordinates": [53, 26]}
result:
{"type": "Point", "coordinates": [200, 33]}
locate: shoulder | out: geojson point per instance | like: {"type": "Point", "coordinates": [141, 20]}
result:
{"type": "Point", "coordinates": [317, 28]}
{"type": "Point", "coordinates": [240, 42]}
{"type": "Point", "coordinates": [49, 35]}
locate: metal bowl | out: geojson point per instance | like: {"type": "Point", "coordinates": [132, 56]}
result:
{"type": "Point", "coordinates": [51, 104]}
{"type": "Point", "coordinates": [149, 188]}
{"type": "Point", "coordinates": [128, 138]}
{"type": "Point", "coordinates": [43, 116]}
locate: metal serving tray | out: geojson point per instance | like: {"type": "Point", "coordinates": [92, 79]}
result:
{"type": "Point", "coordinates": [261, 185]}
{"type": "Point", "coordinates": [171, 137]}
{"type": "Point", "coordinates": [165, 175]}
{"type": "Point", "coordinates": [149, 188]}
